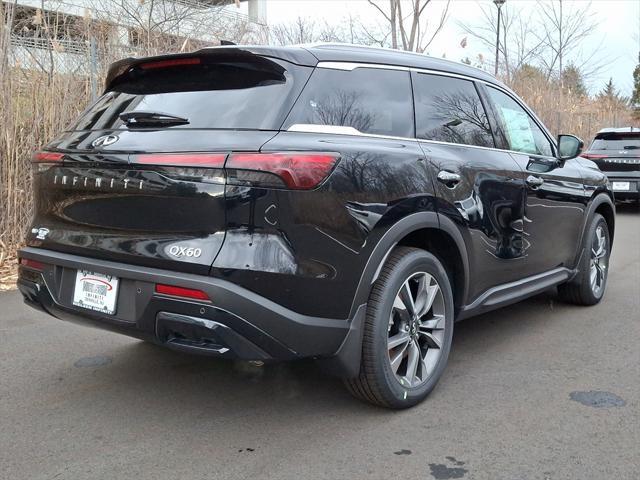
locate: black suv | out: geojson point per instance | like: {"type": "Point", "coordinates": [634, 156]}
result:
{"type": "Point", "coordinates": [332, 202]}
{"type": "Point", "coordinates": [617, 152]}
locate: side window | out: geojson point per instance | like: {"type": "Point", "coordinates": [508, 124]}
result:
{"type": "Point", "coordinates": [522, 132]}
{"type": "Point", "coordinates": [449, 110]}
{"type": "Point", "coordinates": [370, 100]}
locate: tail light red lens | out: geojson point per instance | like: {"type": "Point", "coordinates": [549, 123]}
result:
{"type": "Point", "coordinates": [32, 264]}
{"type": "Point", "coordinates": [198, 160]}
{"type": "Point", "coordinates": [593, 156]}
{"type": "Point", "coordinates": [182, 292]}
{"type": "Point", "coordinates": [47, 157]}
{"type": "Point", "coordinates": [298, 171]}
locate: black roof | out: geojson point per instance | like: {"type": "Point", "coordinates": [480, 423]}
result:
{"type": "Point", "coordinates": [310, 55]}
{"type": "Point", "coordinates": [330, 52]}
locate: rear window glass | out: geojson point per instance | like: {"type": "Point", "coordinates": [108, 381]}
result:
{"type": "Point", "coordinates": [251, 93]}
{"type": "Point", "coordinates": [617, 142]}
{"type": "Point", "coordinates": [370, 100]}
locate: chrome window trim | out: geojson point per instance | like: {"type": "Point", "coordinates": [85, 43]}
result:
{"type": "Point", "coordinates": [350, 66]}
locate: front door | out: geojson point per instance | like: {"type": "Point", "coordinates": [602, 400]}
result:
{"type": "Point", "coordinates": [554, 206]}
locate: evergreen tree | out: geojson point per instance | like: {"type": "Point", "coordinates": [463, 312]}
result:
{"type": "Point", "coordinates": [635, 96]}
{"type": "Point", "coordinates": [573, 81]}
{"type": "Point", "coordinates": [610, 95]}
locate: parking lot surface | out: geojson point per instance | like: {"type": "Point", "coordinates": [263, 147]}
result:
{"type": "Point", "coordinates": [538, 390]}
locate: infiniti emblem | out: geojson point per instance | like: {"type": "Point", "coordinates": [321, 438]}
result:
{"type": "Point", "coordinates": [104, 141]}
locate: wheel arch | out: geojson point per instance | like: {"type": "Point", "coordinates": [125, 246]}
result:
{"type": "Point", "coordinates": [429, 231]}
{"type": "Point", "coordinates": [422, 230]}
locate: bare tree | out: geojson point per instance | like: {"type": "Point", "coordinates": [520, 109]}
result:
{"type": "Point", "coordinates": [563, 31]}
{"type": "Point", "coordinates": [518, 44]}
{"type": "Point", "coordinates": [348, 30]}
{"type": "Point", "coordinates": [411, 31]}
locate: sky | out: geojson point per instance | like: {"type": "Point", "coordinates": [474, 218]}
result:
{"type": "Point", "coordinates": [616, 38]}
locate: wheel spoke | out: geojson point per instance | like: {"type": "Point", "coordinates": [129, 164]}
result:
{"type": "Point", "coordinates": [398, 339]}
{"type": "Point", "coordinates": [593, 274]}
{"type": "Point", "coordinates": [412, 362]}
{"type": "Point", "coordinates": [435, 323]}
{"type": "Point", "coordinates": [432, 340]}
{"type": "Point", "coordinates": [397, 358]}
{"type": "Point", "coordinates": [407, 298]}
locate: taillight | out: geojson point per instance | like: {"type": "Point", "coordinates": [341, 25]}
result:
{"type": "Point", "coordinates": [32, 264]}
{"type": "Point", "coordinates": [47, 157]}
{"type": "Point", "coordinates": [174, 62]}
{"type": "Point", "coordinates": [593, 156]}
{"type": "Point", "coordinates": [181, 292]}
{"type": "Point", "coordinates": [199, 160]}
{"type": "Point", "coordinates": [296, 171]}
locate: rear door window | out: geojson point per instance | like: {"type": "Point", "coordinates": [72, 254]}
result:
{"type": "Point", "coordinates": [450, 110]}
{"type": "Point", "coordinates": [371, 100]}
{"type": "Point", "coordinates": [522, 132]}
{"type": "Point", "coordinates": [248, 92]}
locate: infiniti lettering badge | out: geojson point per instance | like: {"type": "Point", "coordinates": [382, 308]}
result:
{"type": "Point", "coordinates": [104, 141]}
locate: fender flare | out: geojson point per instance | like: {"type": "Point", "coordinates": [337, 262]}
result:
{"type": "Point", "coordinates": [599, 198]}
{"type": "Point", "coordinates": [399, 230]}
{"type": "Point", "coordinates": [346, 362]}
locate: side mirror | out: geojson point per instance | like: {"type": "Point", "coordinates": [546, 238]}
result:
{"type": "Point", "coordinates": [569, 146]}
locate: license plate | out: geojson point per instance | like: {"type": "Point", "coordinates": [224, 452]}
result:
{"type": "Point", "coordinates": [96, 291]}
{"type": "Point", "coordinates": [620, 186]}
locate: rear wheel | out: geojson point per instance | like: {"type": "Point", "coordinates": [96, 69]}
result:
{"type": "Point", "coordinates": [408, 331]}
{"type": "Point", "coordinates": [588, 287]}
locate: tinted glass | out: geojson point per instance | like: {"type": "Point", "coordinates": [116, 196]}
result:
{"type": "Point", "coordinates": [617, 142]}
{"type": "Point", "coordinates": [449, 110]}
{"type": "Point", "coordinates": [247, 94]}
{"type": "Point", "coordinates": [522, 132]}
{"type": "Point", "coordinates": [370, 100]}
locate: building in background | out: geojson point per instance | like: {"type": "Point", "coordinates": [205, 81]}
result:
{"type": "Point", "coordinates": [84, 36]}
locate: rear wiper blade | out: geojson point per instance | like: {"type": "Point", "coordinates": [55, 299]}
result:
{"type": "Point", "coordinates": [151, 118]}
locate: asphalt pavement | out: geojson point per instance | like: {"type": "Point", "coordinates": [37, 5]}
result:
{"type": "Point", "coordinates": [538, 390]}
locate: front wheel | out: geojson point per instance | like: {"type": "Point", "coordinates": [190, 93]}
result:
{"type": "Point", "coordinates": [408, 331]}
{"type": "Point", "coordinates": [589, 285]}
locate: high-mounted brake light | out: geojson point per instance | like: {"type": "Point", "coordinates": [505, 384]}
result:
{"type": "Point", "coordinates": [32, 264]}
{"type": "Point", "coordinates": [593, 156]}
{"type": "Point", "coordinates": [201, 160]}
{"type": "Point", "coordinates": [175, 62]}
{"type": "Point", "coordinates": [181, 292]}
{"type": "Point", "coordinates": [42, 157]}
{"type": "Point", "coordinates": [298, 171]}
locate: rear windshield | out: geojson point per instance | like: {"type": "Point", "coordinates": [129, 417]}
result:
{"type": "Point", "coordinates": [246, 93]}
{"type": "Point", "coordinates": [617, 142]}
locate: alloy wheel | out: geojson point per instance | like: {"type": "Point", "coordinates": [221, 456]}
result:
{"type": "Point", "coordinates": [416, 329]}
{"type": "Point", "coordinates": [599, 261]}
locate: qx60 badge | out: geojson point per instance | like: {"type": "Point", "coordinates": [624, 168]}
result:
{"type": "Point", "coordinates": [179, 252]}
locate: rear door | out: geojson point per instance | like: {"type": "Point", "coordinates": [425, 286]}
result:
{"type": "Point", "coordinates": [479, 187]}
{"type": "Point", "coordinates": [141, 178]}
{"type": "Point", "coordinates": [555, 200]}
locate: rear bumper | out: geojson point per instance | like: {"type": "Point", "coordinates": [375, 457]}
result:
{"type": "Point", "coordinates": [633, 178]}
{"type": "Point", "coordinates": [237, 323]}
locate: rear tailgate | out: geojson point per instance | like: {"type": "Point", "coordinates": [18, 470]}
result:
{"type": "Point", "coordinates": [154, 194]}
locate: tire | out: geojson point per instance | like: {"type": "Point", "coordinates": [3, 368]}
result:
{"type": "Point", "coordinates": [415, 272]}
{"type": "Point", "coordinates": [582, 290]}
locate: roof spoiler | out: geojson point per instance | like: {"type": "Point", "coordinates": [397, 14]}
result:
{"type": "Point", "coordinates": [298, 56]}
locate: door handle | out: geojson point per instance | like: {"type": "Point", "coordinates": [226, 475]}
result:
{"type": "Point", "coordinates": [534, 182]}
{"type": "Point", "coordinates": [450, 179]}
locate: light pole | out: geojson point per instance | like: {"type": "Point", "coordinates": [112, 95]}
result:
{"type": "Point", "coordinates": [499, 4]}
